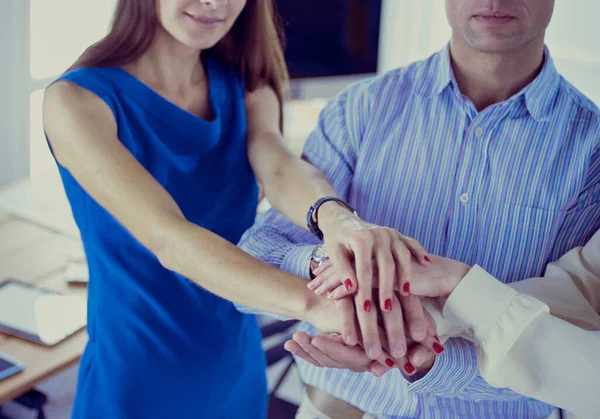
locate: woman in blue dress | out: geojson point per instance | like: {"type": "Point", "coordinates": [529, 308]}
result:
{"type": "Point", "coordinates": [160, 132]}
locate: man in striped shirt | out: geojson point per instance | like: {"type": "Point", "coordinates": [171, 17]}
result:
{"type": "Point", "coordinates": [484, 154]}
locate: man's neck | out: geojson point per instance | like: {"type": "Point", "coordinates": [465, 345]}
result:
{"type": "Point", "coordinates": [489, 78]}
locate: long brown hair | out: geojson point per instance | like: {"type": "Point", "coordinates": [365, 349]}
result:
{"type": "Point", "coordinates": [254, 45]}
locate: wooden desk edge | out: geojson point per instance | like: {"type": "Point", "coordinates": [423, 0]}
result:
{"type": "Point", "coordinates": [18, 392]}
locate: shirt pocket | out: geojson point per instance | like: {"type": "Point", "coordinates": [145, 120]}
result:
{"type": "Point", "coordinates": [518, 240]}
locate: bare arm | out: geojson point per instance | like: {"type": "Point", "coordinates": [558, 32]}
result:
{"type": "Point", "coordinates": [356, 247]}
{"type": "Point", "coordinates": [277, 168]}
{"type": "Point", "coordinates": [83, 134]}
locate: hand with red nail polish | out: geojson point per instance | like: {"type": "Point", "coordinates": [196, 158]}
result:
{"type": "Point", "coordinates": [439, 279]}
{"type": "Point", "coordinates": [403, 315]}
{"type": "Point", "coordinates": [358, 251]}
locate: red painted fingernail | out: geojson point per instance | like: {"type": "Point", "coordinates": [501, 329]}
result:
{"type": "Point", "coordinates": [388, 304]}
{"type": "Point", "coordinates": [436, 337]}
{"type": "Point", "coordinates": [389, 363]}
{"type": "Point", "coordinates": [437, 348]}
{"type": "Point", "coordinates": [409, 368]}
{"type": "Point", "coordinates": [367, 306]}
{"type": "Point", "coordinates": [406, 287]}
{"type": "Point", "coordinates": [348, 284]}
{"type": "Point", "coordinates": [426, 258]}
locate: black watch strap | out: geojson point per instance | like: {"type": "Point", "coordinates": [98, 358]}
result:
{"type": "Point", "coordinates": [312, 216]}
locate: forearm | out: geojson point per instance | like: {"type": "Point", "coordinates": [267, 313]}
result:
{"type": "Point", "coordinates": [293, 185]}
{"type": "Point", "coordinates": [521, 346]}
{"type": "Point", "coordinates": [228, 272]}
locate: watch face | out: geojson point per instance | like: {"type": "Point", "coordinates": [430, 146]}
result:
{"type": "Point", "coordinates": [320, 253]}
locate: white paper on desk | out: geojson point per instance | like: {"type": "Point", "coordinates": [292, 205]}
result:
{"type": "Point", "coordinates": [77, 272]}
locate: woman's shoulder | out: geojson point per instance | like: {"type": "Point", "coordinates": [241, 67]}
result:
{"type": "Point", "coordinates": [81, 87]}
{"type": "Point", "coordinates": [66, 102]}
{"type": "Point", "coordinates": [69, 90]}
{"type": "Point", "coordinates": [63, 92]}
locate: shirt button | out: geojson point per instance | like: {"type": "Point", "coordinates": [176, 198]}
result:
{"type": "Point", "coordinates": [464, 198]}
{"type": "Point", "coordinates": [431, 400]}
{"type": "Point", "coordinates": [479, 132]}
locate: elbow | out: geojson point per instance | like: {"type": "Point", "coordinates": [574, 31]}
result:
{"type": "Point", "coordinates": [164, 240]}
{"type": "Point", "coordinates": [157, 244]}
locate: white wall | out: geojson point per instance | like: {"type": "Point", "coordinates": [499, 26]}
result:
{"type": "Point", "coordinates": [411, 30]}
{"type": "Point", "coordinates": [574, 41]}
{"type": "Point", "coordinates": [414, 29]}
{"type": "Point", "coordinates": [14, 94]}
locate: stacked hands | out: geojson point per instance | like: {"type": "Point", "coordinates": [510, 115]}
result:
{"type": "Point", "coordinates": [372, 288]}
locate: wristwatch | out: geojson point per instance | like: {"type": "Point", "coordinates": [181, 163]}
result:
{"type": "Point", "coordinates": [318, 256]}
{"type": "Point", "coordinates": [312, 216]}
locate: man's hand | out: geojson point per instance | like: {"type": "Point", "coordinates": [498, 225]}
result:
{"type": "Point", "coordinates": [330, 351]}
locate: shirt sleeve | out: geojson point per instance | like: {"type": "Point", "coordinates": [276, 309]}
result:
{"type": "Point", "coordinates": [529, 344]}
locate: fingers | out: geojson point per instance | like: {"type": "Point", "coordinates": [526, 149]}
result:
{"type": "Point", "coordinates": [402, 258]}
{"type": "Point", "coordinates": [420, 357]}
{"type": "Point", "coordinates": [414, 317]}
{"type": "Point", "coordinates": [338, 293]}
{"type": "Point", "coordinates": [363, 259]}
{"type": "Point", "coordinates": [394, 330]}
{"type": "Point", "coordinates": [351, 357]}
{"type": "Point", "coordinates": [432, 345]}
{"type": "Point", "coordinates": [416, 250]}
{"type": "Point", "coordinates": [385, 362]}
{"type": "Point", "coordinates": [295, 348]}
{"type": "Point", "coordinates": [432, 342]}
{"type": "Point", "coordinates": [314, 353]}
{"type": "Point", "coordinates": [323, 267]}
{"type": "Point", "coordinates": [341, 260]}
{"type": "Point", "coordinates": [347, 314]}
{"type": "Point", "coordinates": [327, 281]}
{"type": "Point", "coordinates": [369, 329]}
{"type": "Point", "coordinates": [386, 269]}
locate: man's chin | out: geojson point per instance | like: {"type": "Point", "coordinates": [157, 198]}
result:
{"type": "Point", "coordinates": [493, 44]}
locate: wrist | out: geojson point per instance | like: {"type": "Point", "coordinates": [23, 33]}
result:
{"type": "Point", "coordinates": [332, 213]}
{"type": "Point", "coordinates": [313, 308]}
{"type": "Point", "coordinates": [458, 272]}
{"type": "Point", "coordinates": [320, 312]}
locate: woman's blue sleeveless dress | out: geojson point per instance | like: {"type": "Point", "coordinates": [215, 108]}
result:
{"type": "Point", "coordinates": [159, 345]}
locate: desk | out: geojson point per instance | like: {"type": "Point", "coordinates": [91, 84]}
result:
{"type": "Point", "coordinates": [38, 256]}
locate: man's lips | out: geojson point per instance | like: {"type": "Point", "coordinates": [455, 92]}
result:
{"type": "Point", "coordinates": [493, 18]}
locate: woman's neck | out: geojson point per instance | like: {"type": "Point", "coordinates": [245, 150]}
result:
{"type": "Point", "coordinates": [169, 65]}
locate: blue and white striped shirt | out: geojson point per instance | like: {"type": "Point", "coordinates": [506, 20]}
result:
{"type": "Point", "coordinates": [510, 188]}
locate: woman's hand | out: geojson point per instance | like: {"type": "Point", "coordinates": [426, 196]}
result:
{"type": "Point", "coordinates": [357, 248]}
{"type": "Point", "coordinates": [439, 279]}
{"type": "Point", "coordinates": [330, 351]}
{"type": "Point", "coordinates": [339, 317]}
{"type": "Point", "coordinates": [409, 307]}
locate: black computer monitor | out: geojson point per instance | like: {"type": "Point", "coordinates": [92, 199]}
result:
{"type": "Point", "coordinates": [329, 43]}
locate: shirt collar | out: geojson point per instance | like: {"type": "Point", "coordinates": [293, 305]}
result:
{"type": "Point", "coordinates": [438, 74]}
{"type": "Point", "coordinates": [538, 95]}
